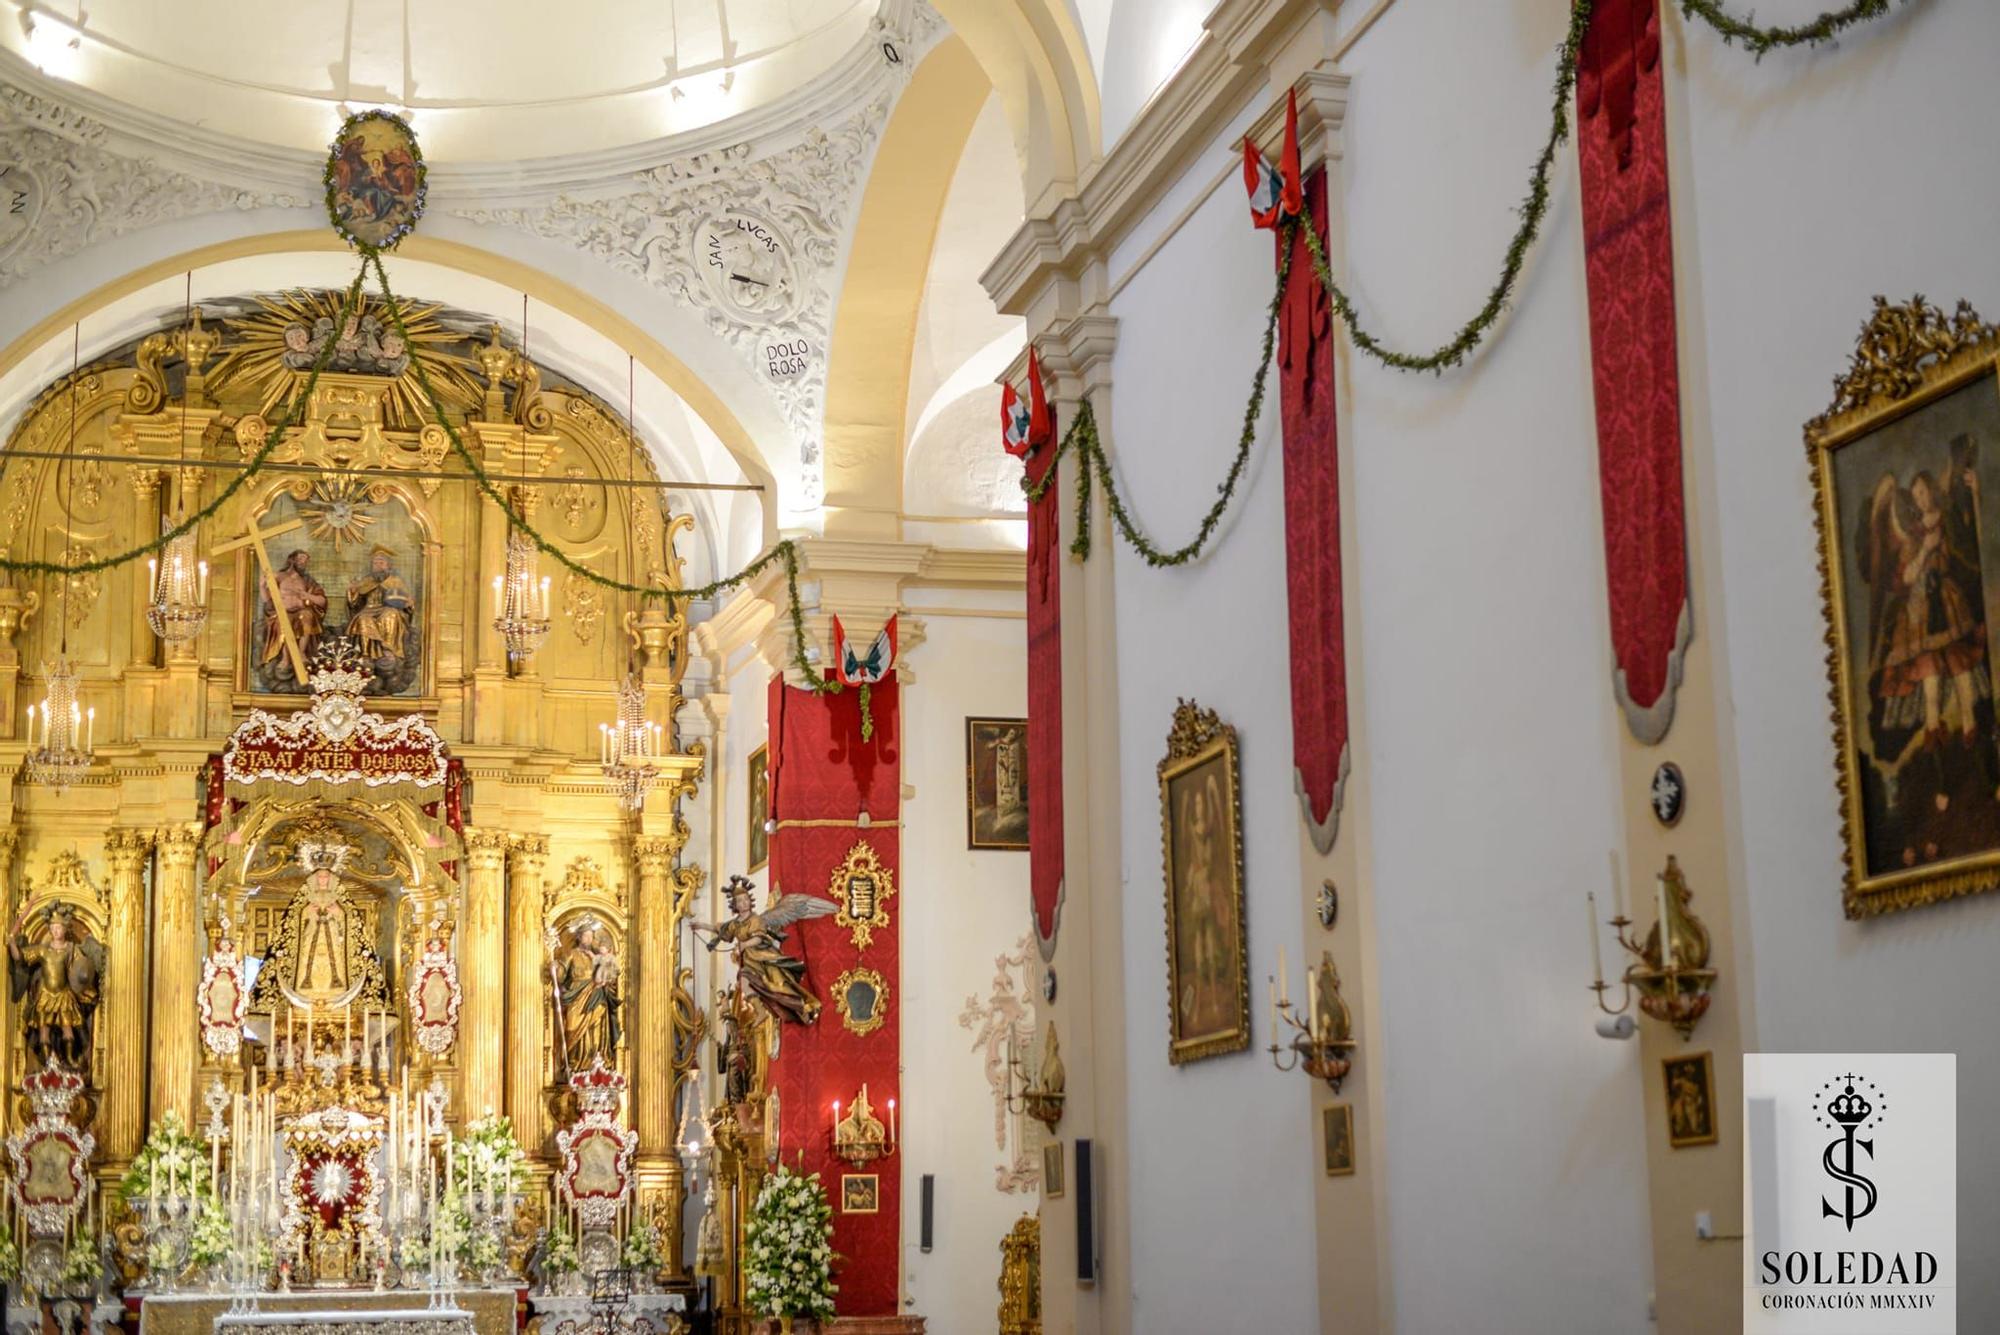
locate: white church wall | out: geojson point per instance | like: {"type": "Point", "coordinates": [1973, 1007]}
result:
{"type": "Point", "coordinates": [1478, 629]}
{"type": "Point", "coordinates": [960, 909]}
{"type": "Point", "coordinates": [1217, 1168]}
{"type": "Point", "coordinates": [1811, 196]}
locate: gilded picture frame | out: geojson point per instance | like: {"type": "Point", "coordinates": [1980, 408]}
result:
{"type": "Point", "coordinates": [996, 784]}
{"type": "Point", "coordinates": [1336, 1125]}
{"type": "Point", "coordinates": [1201, 840]}
{"type": "Point", "coordinates": [1688, 1079]}
{"type": "Point", "coordinates": [862, 998]}
{"type": "Point", "coordinates": [1909, 561]}
{"type": "Point", "coordinates": [860, 1193]}
{"type": "Point", "coordinates": [757, 808]}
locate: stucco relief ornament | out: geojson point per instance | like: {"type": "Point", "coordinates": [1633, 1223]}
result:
{"type": "Point", "coordinates": [375, 181]}
{"type": "Point", "coordinates": [435, 995]}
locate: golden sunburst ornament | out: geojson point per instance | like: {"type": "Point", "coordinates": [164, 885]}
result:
{"type": "Point", "coordinates": [333, 511]}
{"type": "Point", "coordinates": [273, 349]}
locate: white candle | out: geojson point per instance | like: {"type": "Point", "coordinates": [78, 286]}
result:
{"type": "Point", "coordinates": [1666, 940]}
{"type": "Point", "coordinates": [1618, 885]}
{"type": "Point", "coordinates": [90, 728]}
{"type": "Point", "coordinates": [1596, 957]}
{"type": "Point", "coordinates": [1312, 1003]}
{"type": "Point", "coordinates": [1284, 989]}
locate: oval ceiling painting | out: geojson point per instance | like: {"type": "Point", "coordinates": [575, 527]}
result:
{"type": "Point", "coordinates": [374, 181]}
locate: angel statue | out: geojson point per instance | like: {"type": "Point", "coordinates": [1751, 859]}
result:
{"type": "Point", "coordinates": [57, 982]}
{"type": "Point", "coordinates": [777, 979]}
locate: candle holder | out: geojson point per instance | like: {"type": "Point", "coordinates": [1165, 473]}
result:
{"type": "Point", "coordinates": [860, 1138]}
{"type": "Point", "coordinates": [1322, 1041]}
{"type": "Point", "coordinates": [1042, 1094]}
{"type": "Point", "coordinates": [1673, 984]}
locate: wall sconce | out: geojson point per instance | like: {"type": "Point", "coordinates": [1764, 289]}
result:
{"type": "Point", "coordinates": [1322, 1041]}
{"type": "Point", "coordinates": [1042, 1095]}
{"type": "Point", "coordinates": [859, 1137]}
{"type": "Point", "coordinates": [1673, 984]}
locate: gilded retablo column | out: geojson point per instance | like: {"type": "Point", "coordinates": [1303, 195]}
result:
{"type": "Point", "coordinates": [481, 963]}
{"type": "Point", "coordinates": [176, 966]}
{"type": "Point", "coordinates": [121, 1125]}
{"type": "Point", "coordinates": [527, 985]}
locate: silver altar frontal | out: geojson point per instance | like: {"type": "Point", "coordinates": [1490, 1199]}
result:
{"type": "Point", "coordinates": [349, 1321]}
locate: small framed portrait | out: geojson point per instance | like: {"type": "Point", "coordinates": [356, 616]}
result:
{"type": "Point", "coordinates": [860, 1193]}
{"type": "Point", "coordinates": [862, 998]}
{"type": "Point", "coordinates": [1052, 1170]}
{"type": "Point", "coordinates": [757, 807]}
{"type": "Point", "coordinates": [1336, 1125]}
{"type": "Point", "coordinates": [1690, 1088]}
{"type": "Point", "coordinates": [1201, 837]}
{"type": "Point", "coordinates": [996, 783]}
{"type": "Point", "coordinates": [1902, 463]}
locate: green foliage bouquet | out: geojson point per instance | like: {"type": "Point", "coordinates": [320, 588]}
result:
{"type": "Point", "coordinates": [790, 1246]}
{"type": "Point", "coordinates": [81, 1267]}
{"type": "Point", "coordinates": [642, 1247]}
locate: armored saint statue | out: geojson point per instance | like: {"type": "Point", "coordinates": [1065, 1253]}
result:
{"type": "Point", "coordinates": [776, 979]}
{"type": "Point", "coordinates": [56, 982]}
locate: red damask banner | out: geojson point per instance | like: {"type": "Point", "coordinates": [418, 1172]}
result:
{"type": "Point", "coordinates": [1045, 740]}
{"type": "Point", "coordinates": [1635, 369]}
{"type": "Point", "coordinates": [1312, 534]}
{"type": "Point", "coordinates": [823, 776]}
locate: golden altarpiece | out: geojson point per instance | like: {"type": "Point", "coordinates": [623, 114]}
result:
{"type": "Point", "coordinates": [218, 918]}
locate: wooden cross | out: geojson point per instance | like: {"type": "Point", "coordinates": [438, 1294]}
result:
{"type": "Point", "coordinates": [253, 538]}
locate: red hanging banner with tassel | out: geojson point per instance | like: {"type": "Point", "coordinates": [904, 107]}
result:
{"type": "Point", "coordinates": [1635, 368]}
{"type": "Point", "coordinates": [1315, 603]}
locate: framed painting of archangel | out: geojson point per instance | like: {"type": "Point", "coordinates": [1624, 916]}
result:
{"type": "Point", "coordinates": [1906, 472]}
{"type": "Point", "coordinates": [1201, 837]}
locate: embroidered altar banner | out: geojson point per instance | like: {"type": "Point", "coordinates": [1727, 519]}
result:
{"type": "Point", "coordinates": [822, 776]}
{"type": "Point", "coordinates": [1312, 534]}
{"type": "Point", "coordinates": [1635, 370]}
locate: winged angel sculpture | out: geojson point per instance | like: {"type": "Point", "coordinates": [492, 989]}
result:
{"type": "Point", "coordinates": [757, 939]}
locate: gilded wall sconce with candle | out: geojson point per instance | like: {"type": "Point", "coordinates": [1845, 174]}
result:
{"type": "Point", "coordinates": [859, 1137]}
{"type": "Point", "coordinates": [1042, 1094]}
{"type": "Point", "coordinates": [1670, 965]}
{"type": "Point", "coordinates": [1322, 1041]}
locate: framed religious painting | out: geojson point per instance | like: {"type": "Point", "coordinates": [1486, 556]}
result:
{"type": "Point", "coordinates": [1690, 1091]}
{"type": "Point", "coordinates": [1201, 839]}
{"type": "Point", "coordinates": [860, 1193]}
{"type": "Point", "coordinates": [996, 783]}
{"type": "Point", "coordinates": [758, 807]}
{"type": "Point", "coordinates": [1906, 472]}
{"type": "Point", "coordinates": [1336, 1124]}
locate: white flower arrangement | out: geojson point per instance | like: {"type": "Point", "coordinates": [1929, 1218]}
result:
{"type": "Point", "coordinates": [211, 1240]}
{"type": "Point", "coordinates": [643, 1250]}
{"type": "Point", "coordinates": [80, 1267]}
{"type": "Point", "coordinates": [490, 1157]}
{"type": "Point", "coordinates": [559, 1251]}
{"type": "Point", "coordinates": [790, 1246]}
{"type": "Point", "coordinates": [10, 1258]}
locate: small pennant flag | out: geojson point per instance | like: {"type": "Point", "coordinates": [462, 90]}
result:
{"type": "Point", "coordinates": [1040, 425]}
{"type": "Point", "coordinates": [1276, 193]}
{"type": "Point", "coordinates": [863, 669]}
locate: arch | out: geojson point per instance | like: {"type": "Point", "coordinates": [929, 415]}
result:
{"type": "Point", "coordinates": [700, 398]}
{"type": "Point", "coordinates": [874, 328]}
{"type": "Point", "coordinates": [1036, 58]}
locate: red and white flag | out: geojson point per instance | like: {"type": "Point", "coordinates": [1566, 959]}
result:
{"type": "Point", "coordinates": [1276, 193]}
{"type": "Point", "coordinates": [863, 669]}
{"type": "Point", "coordinates": [1023, 426]}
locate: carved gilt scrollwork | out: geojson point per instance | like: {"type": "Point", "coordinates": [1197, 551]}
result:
{"type": "Point", "coordinates": [1901, 347]}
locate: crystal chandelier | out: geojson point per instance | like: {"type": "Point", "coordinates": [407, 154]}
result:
{"type": "Point", "coordinates": [178, 607]}
{"type": "Point", "coordinates": [523, 619]}
{"type": "Point", "coordinates": [60, 750]}
{"type": "Point", "coordinates": [630, 746]}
